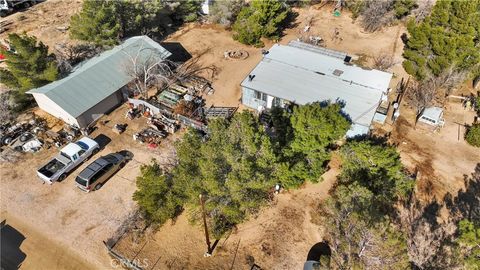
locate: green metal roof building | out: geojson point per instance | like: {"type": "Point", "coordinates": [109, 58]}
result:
{"type": "Point", "coordinates": [97, 85]}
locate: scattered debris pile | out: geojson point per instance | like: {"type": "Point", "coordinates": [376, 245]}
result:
{"type": "Point", "coordinates": [33, 135]}
{"type": "Point", "coordinates": [177, 105]}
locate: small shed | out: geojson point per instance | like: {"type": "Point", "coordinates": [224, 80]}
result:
{"type": "Point", "coordinates": [95, 86]}
{"type": "Point", "coordinates": [432, 116]}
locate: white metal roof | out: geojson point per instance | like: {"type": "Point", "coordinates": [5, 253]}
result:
{"type": "Point", "coordinates": [303, 76]}
{"type": "Point", "coordinates": [434, 113]}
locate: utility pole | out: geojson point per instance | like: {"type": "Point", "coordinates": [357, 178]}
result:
{"type": "Point", "coordinates": [207, 237]}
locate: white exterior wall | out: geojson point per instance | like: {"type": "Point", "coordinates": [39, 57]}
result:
{"type": "Point", "coordinates": [52, 108]}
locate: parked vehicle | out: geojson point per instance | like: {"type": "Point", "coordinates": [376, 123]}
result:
{"type": "Point", "coordinates": [68, 159]}
{"type": "Point", "coordinates": [8, 6]}
{"type": "Point", "coordinates": [98, 172]}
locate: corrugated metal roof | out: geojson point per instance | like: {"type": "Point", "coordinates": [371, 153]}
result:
{"type": "Point", "coordinates": [99, 77]}
{"type": "Point", "coordinates": [317, 49]}
{"type": "Point", "coordinates": [303, 76]}
{"type": "Point", "coordinates": [434, 113]}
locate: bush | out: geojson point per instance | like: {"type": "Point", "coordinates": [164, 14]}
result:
{"type": "Point", "coordinates": [262, 18]}
{"type": "Point", "coordinates": [472, 136]}
{"type": "Point", "coordinates": [403, 7]}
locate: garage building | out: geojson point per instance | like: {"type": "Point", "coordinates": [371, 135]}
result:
{"type": "Point", "coordinates": [96, 86]}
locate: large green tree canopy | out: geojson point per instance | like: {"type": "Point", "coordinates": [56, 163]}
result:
{"type": "Point", "coordinates": [359, 214]}
{"type": "Point", "coordinates": [234, 169]}
{"type": "Point", "coordinates": [315, 127]}
{"type": "Point", "coordinates": [106, 22]}
{"type": "Point", "coordinates": [262, 18]}
{"type": "Point", "coordinates": [237, 164]}
{"type": "Point", "coordinates": [29, 65]}
{"type": "Point", "coordinates": [97, 22]}
{"type": "Point", "coordinates": [449, 37]}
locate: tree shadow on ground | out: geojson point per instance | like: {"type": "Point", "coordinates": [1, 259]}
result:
{"type": "Point", "coordinates": [432, 228]}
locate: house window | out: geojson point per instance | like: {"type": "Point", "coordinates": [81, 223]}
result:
{"type": "Point", "coordinates": [276, 102]}
{"type": "Point", "coordinates": [260, 96]}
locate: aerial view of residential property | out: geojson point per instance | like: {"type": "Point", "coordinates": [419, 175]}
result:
{"type": "Point", "coordinates": [240, 134]}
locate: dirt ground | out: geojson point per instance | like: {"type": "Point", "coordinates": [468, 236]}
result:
{"type": "Point", "coordinates": [68, 217]}
{"type": "Point", "coordinates": [281, 234]}
{"type": "Point", "coordinates": [48, 21]}
{"type": "Point", "coordinates": [442, 157]}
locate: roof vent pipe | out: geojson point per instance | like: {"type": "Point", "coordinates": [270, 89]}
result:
{"type": "Point", "coordinates": [250, 77]}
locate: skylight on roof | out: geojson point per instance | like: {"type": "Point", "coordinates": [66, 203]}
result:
{"type": "Point", "coordinates": [337, 72]}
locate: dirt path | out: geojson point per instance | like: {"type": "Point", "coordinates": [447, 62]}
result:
{"type": "Point", "coordinates": [76, 221]}
{"type": "Point", "coordinates": [23, 245]}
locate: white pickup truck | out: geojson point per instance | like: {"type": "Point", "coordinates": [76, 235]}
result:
{"type": "Point", "coordinates": [68, 159]}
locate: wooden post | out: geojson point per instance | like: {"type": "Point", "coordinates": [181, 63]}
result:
{"type": "Point", "coordinates": [207, 237]}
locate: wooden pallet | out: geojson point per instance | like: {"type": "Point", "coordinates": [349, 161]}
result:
{"type": "Point", "coordinates": [224, 112]}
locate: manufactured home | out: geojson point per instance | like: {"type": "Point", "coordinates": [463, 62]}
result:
{"type": "Point", "coordinates": [300, 73]}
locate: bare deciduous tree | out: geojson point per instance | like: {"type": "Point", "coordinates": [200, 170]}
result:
{"type": "Point", "coordinates": [149, 68]}
{"type": "Point", "coordinates": [383, 61]}
{"type": "Point", "coordinates": [377, 14]}
{"type": "Point", "coordinates": [421, 95]}
{"type": "Point", "coordinates": [428, 236]}
{"type": "Point", "coordinates": [70, 55]}
{"type": "Point", "coordinates": [450, 78]}
{"type": "Point", "coordinates": [423, 10]}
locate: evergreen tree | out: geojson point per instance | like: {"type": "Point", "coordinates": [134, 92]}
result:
{"type": "Point", "coordinates": [356, 240]}
{"type": "Point", "coordinates": [316, 127]}
{"type": "Point", "coordinates": [155, 195]}
{"type": "Point", "coordinates": [97, 22]}
{"type": "Point", "coordinates": [29, 66]}
{"type": "Point", "coordinates": [472, 136]}
{"type": "Point", "coordinates": [262, 18]}
{"type": "Point", "coordinates": [139, 17]}
{"type": "Point", "coordinates": [469, 244]}
{"type": "Point", "coordinates": [106, 22]}
{"type": "Point", "coordinates": [403, 7]}
{"type": "Point", "coordinates": [449, 37]}
{"type": "Point", "coordinates": [234, 170]}
{"type": "Point", "coordinates": [185, 10]}
{"type": "Point", "coordinates": [379, 169]}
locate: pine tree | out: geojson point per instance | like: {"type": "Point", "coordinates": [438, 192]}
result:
{"type": "Point", "coordinates": [29, 65]}
{"type": "Point", "coordinates": [469, 244]}
{"type": "Point", "coordinates": [378, 168]}
{"type": "Point", "coordinates": [315, 127]}
{"type": "Point", "coordinates": [262, 18]}
{"type": "Point", "coordinates": [97, 22]}
{"type": "Point", "coordinates": [449, 37]}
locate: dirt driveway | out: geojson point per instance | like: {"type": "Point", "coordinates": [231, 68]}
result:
{"type": "Point", "coordinates": [72, 219]}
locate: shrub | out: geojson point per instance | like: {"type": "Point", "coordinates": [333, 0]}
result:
{"type": "Point", "coordinates": [262, 18]}
{"type": "Point", "coordinates": [472, 136]}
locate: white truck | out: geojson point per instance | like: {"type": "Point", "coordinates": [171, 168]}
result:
{"type": "Point", "coordinates": [72, 155]}
{"type": "Point", "coordinates": [8, 6]}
